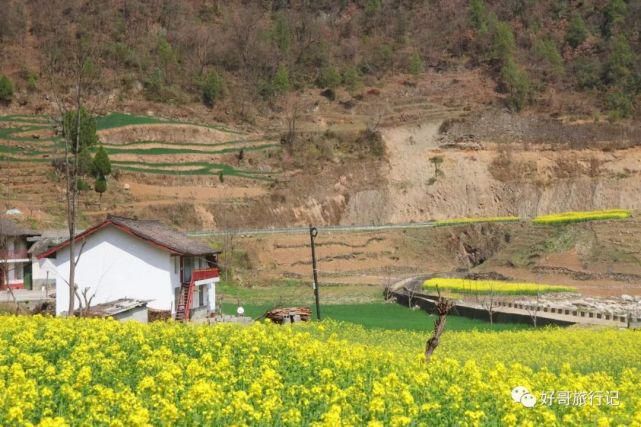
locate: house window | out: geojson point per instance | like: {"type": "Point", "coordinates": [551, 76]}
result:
{"type": "Point", "coordinates": [176, 265]}
{"type": "Point", "coordinates": [18, 272]}
{"type": "Point", "coordinates": [201, 296]}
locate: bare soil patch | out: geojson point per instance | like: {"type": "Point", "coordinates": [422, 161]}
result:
{"type": "Point", "coordinates": [175, 133]}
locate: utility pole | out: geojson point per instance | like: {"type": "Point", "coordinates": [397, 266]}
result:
{"type": "Point", "coordinates": [313, 232]}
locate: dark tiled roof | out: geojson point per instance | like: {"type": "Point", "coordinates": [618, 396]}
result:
{"type": "Point", "coordinates": [159, 233]}
{"type": "Point", "coordinates": [151, 231]}
{"type": "Point", "coordinates": [10, 228]}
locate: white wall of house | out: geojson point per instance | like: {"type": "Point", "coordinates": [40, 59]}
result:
{"type": "Point", "coordinates": [117, 265]}
{"type": "Point", "coordinates": [40, 276]}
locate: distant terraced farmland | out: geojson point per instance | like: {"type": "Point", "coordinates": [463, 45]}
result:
{"type": "Point", "coordinates": [141, 144]}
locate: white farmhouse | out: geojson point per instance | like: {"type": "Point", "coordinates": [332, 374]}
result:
{"type": "Point", "coordinates": [141, 260]}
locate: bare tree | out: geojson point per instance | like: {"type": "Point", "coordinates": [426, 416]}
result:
{"type": "Point", "coordinates": [84, 301]}
{"type": "Point", "coordinates": [411, 293]}
{"type": "Point", "coordinates": [72, 63]}
{"type": "Point", "coordinates": [533, 307]}
{"type": "Point", "coordinates": [5, 267]}
{"type": "Point", "coordinates": [292, 114]}
{"type": "Point", "coordinates": [387, 284]}
{"type": "Point", "coordinates": [443, 307]}
{"type": "Point", "coordinates": [488, 302]}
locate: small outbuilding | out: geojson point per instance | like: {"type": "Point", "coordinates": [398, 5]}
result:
{"type": "Point", "coordinates": [123, 310]}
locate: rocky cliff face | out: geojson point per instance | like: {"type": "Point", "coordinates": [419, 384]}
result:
{"type": "Point", "coordinates": [429, 177]}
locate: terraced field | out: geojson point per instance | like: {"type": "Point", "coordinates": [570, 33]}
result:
{"type": "Point", "coordinates": [147, 145]}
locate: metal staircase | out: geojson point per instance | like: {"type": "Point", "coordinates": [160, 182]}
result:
{"type": "Point", "coordinates": [183, 307]}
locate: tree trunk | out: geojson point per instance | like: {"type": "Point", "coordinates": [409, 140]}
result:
{"type": "Point", "coordinates": [443, 307]}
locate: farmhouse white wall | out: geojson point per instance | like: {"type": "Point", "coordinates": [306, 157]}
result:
{"type": "Point", "coordinates": [117, 265]}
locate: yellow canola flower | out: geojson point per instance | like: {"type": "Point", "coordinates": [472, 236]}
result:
{"type": "Point", "coordinates": [326, 373]}
{"type": "Point", "coordinates": [569, 217]}
{"type": "Point", "coordinates": [497, 287]}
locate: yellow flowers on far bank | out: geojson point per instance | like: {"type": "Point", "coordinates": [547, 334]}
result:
{"type": "Point", "coordinates": [551, 219]}
{"type": "Point", "coordinates": [569, 217]}
{"type": "Point", "coordinates": [484, 287]}
{"type": "Point", "coordinates": [57, 372]}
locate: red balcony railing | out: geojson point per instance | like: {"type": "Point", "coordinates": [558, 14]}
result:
{"type": "Point", "coordinates": [9, 255]}
{"type": "Point", "coordinates": [204, 274]}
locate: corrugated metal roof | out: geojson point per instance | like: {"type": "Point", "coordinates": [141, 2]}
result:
{"type": "Point", "coordinates": [118, 306]}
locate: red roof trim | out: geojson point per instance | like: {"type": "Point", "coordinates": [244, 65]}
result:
{"type": "Point", "coordinates": [99, 227]}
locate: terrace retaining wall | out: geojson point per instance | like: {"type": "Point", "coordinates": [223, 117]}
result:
{"type": "Point", "coordinates": [510, 312]}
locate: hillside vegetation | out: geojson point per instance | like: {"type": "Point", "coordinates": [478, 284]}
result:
{"type": "Point", "coordinates": [241, 52]}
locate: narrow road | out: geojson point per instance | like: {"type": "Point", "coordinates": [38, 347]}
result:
{"type": "Point", "coordinates": [301, 230]}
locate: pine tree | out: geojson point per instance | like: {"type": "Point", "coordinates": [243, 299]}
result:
{"type": "Point", "coordinates": [100, 186]}
{"type": "Point", "coordinates": [6, 89]}
{"type": "Point", "coordinates": [577, 32]}
{"type": "Point", "coordinates": [101, 166]}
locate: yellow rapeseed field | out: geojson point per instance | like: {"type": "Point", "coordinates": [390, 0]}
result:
{"type": "Point", "coordinates": [569, 217]}
{"type": "Point", "coordinates": [498, 287]}
{"type": "Point", "coordinates": [56, 372]}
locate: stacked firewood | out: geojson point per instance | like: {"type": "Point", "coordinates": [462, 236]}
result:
{"type": "Point", "coordinates": [289, 315]}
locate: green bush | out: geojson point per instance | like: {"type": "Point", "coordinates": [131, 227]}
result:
{"type": "Point", "coordinates": [212, 89]}
{"type": "Point", "coordinates": [620, 65]}
{"type": "Point", "coordinates": [101, 185]}
{"type": "Point", "coordinates": [382, 57]}
{"type": "Point", "coordinates": [577, 32]}
{"type": "Point", "coordinates": [281, 33]}
{"type": "Point", "coordinates": [619, 105]}
{"type": "Point", "coordinates": [615, 14]}
{"type": "Point", "coordinates": [82, 185]}
{"type": "Point", "coordinates": [373, 142]}
{"type": "Point", "coordinates": [372, 7]}
{"type": "Point", "coordinates": [587, 72]}
{"type": "Point", "coordinates": [478, 15]}
{"type": "Point", "coordinates": [351, 78]}
{"type": "Point", "coordinates": [416, 65]}
{"type": "Point", "coordinates": [517, 85]}
{"type": "Point", "coordinates": [329, 78]}
{"type": "Point", "coordinates": [280, 82]}
{"type": "Point", "coordinates": [6, 89]}
{"type": "Point", "coordinates": [154, 86]}
{"type": "Point", "coordinates": [32, 82]}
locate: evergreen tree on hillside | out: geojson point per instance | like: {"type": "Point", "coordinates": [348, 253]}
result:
{"type": "Point", "coordinates": [212, 89]}
{"type": "Point", "coordinates": [516, 84]}
{"type": "Point", "coordinates": [478, 16]}
{"type": "Point", "coordinates": [100, 187]}
{"type": "Point", "coordinates": [101, 168]}
{"type": "Point", "coordinates": [6, 89]}
{"type": "Point", "coordinates": [280, 82]}
{"type": "Point", "coordinates": [80, 131]}
{"type": "Point", "coordinates": [577, 31]}
{"type": "Point", "coordinates": [614, 16]}
{"type": "Point", "coordinates": [503, 44]}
